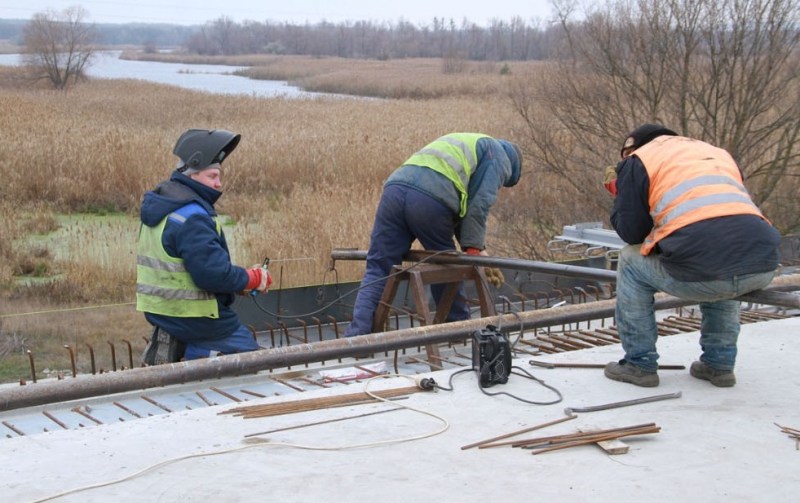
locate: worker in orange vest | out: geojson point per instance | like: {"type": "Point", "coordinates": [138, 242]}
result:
{"type": "Point", "coordinates": [693, 232]}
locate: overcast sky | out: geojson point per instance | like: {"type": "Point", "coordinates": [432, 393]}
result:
{"type": "Point", "coordinates": [299, 11]}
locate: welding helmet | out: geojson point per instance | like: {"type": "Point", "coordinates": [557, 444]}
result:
{"type": "Point", "coordinates": [200, 148]}
{"type": "Point", "coordinates": [644, 134]}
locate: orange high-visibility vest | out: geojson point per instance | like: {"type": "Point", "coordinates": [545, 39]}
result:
{"type": "Point", "coordinates": [690, 181]}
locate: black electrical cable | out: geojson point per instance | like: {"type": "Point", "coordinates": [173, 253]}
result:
{"type": "Point", "coordinates": [450, 380]}
{"type": "Point", "coordinates": [527, 375]}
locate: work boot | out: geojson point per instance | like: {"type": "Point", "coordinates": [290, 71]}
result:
{"type": "Point", "coordinates": [625, 371]}
{"type": "Point", "coordinates": [162, 348]}
{"type": "Point", "coordinates": [720, 378]}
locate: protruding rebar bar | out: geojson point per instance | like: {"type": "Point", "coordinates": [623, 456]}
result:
{"type": "Point", "coordinates": [72, 360]}
{"type": "Point", "coordinates": [33, 367]}
{"type": "Point", "coordinates": [91, 358]}
{"type": "Point", "coordinates": [113, 356]}
{"type": "Point", "coordinates": [130, 352]}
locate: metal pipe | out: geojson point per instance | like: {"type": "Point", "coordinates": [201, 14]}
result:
{"type": "Point", "coordinates": [255, 361]}
{"type": "Point", "coordinates": [454, 257]}
{"type": "Point", "coordinates": [246, 363]}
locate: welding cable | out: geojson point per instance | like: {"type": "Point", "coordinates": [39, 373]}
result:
{"type": "Point", "coordinates": [140, 472]}
{"type": "Point", "coordinates": [352, 291]}
{"type": "Point", "coordinates": [526, 375]}
{"type": "Point", "coordinates": [450, 380]}
{"type": "Point", "coordinates": [515, 312]}
{"type": "Point", "coordinates": [253, 442]}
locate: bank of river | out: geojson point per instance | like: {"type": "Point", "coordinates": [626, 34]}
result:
{"type": "Point", "coordinates": [217, 79]}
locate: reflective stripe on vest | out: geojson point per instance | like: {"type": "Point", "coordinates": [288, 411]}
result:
{"type": "Point", "coordinates": [163, 286]}
{"type": "Point", "coordinates": [690, 181]}
{"type": "Point", "coordinates": [455, 156]}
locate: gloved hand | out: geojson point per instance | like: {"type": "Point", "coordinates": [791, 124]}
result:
{"type": "Point", "coordinates": [494, 276]}
{"type": "Point", "coordinates": [610, 180]}
{"type": "Point", "coordinates": [259, 278]}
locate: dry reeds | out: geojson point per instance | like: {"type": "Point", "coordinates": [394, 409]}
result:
{"type": "Point", "coordinates": [306, 178]}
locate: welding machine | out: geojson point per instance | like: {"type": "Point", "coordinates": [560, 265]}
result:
{"type": "Point", "coordinates": [491, 356]}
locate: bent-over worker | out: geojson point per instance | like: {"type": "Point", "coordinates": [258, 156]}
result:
{"type": "Point", "coordinates": [444, 190]}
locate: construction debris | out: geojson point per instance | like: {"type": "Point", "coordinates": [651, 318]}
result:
{"type": "Point", "coordinates": [487, 442]}
{"type": "Point", "coordinates": [354, 373]}
{"type": "Point", "coordinates": [548, 444]}
{"type": "Point", "coordinates": [793, 433]}
{"type": "Point", "coordinates": [293, 406]}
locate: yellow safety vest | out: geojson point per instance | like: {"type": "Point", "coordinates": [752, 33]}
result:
{"type": "Point", "coordinates": [163, 286]}
{"type": "Point", "coordinates": [455, 156]}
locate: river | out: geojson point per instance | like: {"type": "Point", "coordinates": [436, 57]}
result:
{"type": "Point", "coordinates": [215, 79]}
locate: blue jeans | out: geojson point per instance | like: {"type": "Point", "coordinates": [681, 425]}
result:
{"type": "Point", "coordinates": [640, 277]}
{"type": "Point", "coordinates": [403, 215]}
{"type": "Point", "coordinates": [239, 341]}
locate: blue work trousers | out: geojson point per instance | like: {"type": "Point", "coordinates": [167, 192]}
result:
{"type": "Point", "coordinates": [639, 277]}
{"type": "Point", "coordinates": [239, 341]}
{"type": "Point", "coordinates": [404, 214]}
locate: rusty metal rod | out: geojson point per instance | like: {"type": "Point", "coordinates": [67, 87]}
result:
{"type": "Point", "coordinates": [33, 367]}
{"type": "Point", "coordinates": [597, 439]}
{"type": "Point", "coordinates": [91, 358]}
{"type": "Point", "coordinates": [255, 361]}
{"type": "Point", "coordinates": [15, 429]}
{"type": "Point", "coordinates": [326, 421]}
{"type": "Point", "coordinates": [517, 432]}
{"type": "Point", "coordinates": [72, 360]}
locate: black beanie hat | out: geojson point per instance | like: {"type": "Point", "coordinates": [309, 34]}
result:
{"type": "Point", "coordinates": [644, 134]}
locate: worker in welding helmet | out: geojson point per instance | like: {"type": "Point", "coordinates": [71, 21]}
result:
{"type": "Point", "coordinates": [185, 281]}
{"type": "Point", "coordinates": [693, 232]}
{"type": "Point", "coordinates": [443, 191]}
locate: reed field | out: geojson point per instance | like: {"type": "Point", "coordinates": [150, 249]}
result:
{"type": "Point", "coordinates": [305, 179]}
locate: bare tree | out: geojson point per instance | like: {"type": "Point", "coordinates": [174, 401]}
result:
{"type": "Point", "coordinates": [724, 71]}
{"type": "Point", "coordinates": [59, 45]}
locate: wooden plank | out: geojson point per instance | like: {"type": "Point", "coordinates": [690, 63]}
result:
{"type": "Point", "coordinates": [612, 447]}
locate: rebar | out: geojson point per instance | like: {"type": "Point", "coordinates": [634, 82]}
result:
{"type": "Point", "coordinates": [255, 361]}
{"type": "Point", "coordinates": [292, 406]}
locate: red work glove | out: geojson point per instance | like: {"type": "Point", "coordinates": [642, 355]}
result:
{"type": "Point", "coordinates": [473, 251]}
{"type": "Point", "coordinates": [259, 279]}
{"type": "Point", "coordinates": [610, 180]}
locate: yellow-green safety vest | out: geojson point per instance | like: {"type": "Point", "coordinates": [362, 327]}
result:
{"type": "Point", "coordinates": [163, 286]}
{"type": "Point", "coordinates": [455, 156]}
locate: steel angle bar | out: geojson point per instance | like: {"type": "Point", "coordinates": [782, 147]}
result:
{"type": "Point", "coordinates": [591, 233]}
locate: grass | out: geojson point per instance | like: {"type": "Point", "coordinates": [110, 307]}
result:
{"type": "Point", "coordinates": [305, 179]}
{"type": "Point", "coordinates": [415, 78]}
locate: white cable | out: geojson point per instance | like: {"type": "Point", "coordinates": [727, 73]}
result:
{"type": "Point", "coordinates": [257, 442]}
{"type": "Point", "coordinates": [444, 428]}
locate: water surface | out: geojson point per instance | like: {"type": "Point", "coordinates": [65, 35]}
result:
{"type": "Point", "coordinates": [215, 79]}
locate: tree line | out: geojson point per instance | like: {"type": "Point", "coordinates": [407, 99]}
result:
{"type": "Point", "coordinates": [499, 41]}
{"type": "Point", "coordinates": [723, 71]}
